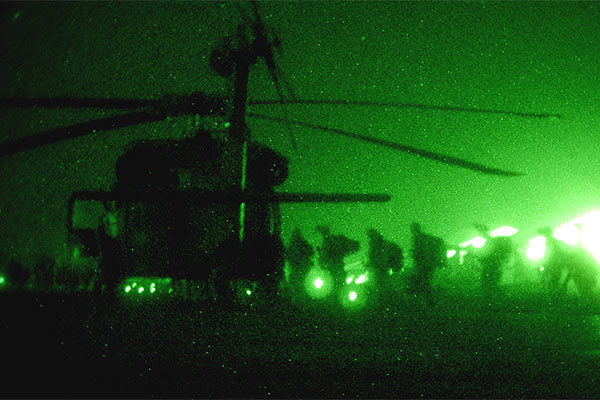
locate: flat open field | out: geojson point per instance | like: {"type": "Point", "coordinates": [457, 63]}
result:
{"type": "Point", "coordinates": [81, 346]}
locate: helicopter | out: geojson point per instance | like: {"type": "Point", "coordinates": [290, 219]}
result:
{"type": "Point", "coordinates": [181, 208]}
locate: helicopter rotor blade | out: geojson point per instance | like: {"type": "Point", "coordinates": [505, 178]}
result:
{"type": "Point", "coordinates": [152, 111]}
{"type": "Point", "coordinates": [404, 105]}
{"type": "Point", "coordinates": [449, 160]}
{"type": "Point", "coordinates": [75, 102]}
{"type": "Point", "coordinates": [78, 130]}
{"type": "Point", "coordinates": [170, 104]}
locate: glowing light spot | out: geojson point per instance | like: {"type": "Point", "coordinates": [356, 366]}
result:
{"type": "Point", "coordinates": [227, 124]}
{"type": "Point", "coordinates": [361, 279]}
{"type": "Point", "coordinates": [349, 280]}
{"type": "Point", "coordinates": [450, 253]}
{"type": "Point", "coordinates": [127, 289]}
{"type": "Point", "coordinates": [477, 242]}
{"type": "Point", "coordinates": [461, 256]}
{"type": "Point", "coordinates": [16, 16]}
{"type": "Point", "coordinates": [134, 284]}
{"type": "Point", "coordinates": [170, 290]}
{"type": "Point", "coordinates": [248, 292]}
{"type": "Point", "coordinates": [318, 283]}
{"type": "Point", "coordinates": [152, 290]}
{"type": "Point", "coordinates": [76, 252]}
{"type": "Point", "coordinates": [141, 289]}
{"type": "Point", "coordinates": [536, 248]}
{"type": "Point", "coordinates": [504, 231]}
{"type": "Point", "coordinates": [352, 296]}
{"type": "Point", "coordinates": [390, 272]}
{"type": "Point", "coordinates": [583, 230]}
{"type": "Point", "coordinates": [541, 268]}
{"type": "Point", "coordinates": [568, 233]}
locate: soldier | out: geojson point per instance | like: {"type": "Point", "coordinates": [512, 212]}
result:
{"type": "Point", "coordinates": [298, 254]}
{"type": "Point", "coordinates": [110, 253]}
{"type": "Point", "coordinates": [428, 255]}
{"type": "Point", "coordinates": [493, 257]}
{"type": "Point", "coordinates": [564, 264]}
{"type": "Point", "coordinates": [385, 258]}
{"type": "Point", "coordinates": [556, 274]}
{"type": "Point", "coordinates": [332, 252]}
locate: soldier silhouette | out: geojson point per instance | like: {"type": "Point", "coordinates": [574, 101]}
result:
{"type": "Point", "coordinates": [493, 257]}
{"type": "Point", "coordinates": [110, 252]}
{"type": "Point", "coordinates": [299, 254]}
{"type": "Point", "coordinates": [332, 251]}
{"type": "Point", "coordinates": [428, 255]}
{"type": "Point", "coordinates": [564, 264]}
{"type": "Point", "coordinates": [384, 259]}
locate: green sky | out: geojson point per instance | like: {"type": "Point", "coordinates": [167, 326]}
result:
{"type": "Point", "coordinates": [521, 56]}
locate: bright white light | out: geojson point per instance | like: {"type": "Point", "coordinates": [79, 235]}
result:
{"type": "Point", "coordinates": [127, 289]}
{"type": "Point", "coordinates": [536, 248]}
{"type": "Point", "coordinates": [504, 231]}
{"type": "Point", "coordinates": [152, 289]}
{"type": "Point", "coordinates": [248, 292]}
{"type": "Point", "coordinates": [349, 280]}
{"type": "Point", "coordinates": [476, 242]}
{"type": "Point", "coordinates": [361, 279]}
{"type": "Point", "coordinates": [541, 268]}
{"type": "Point", "coordinates": [141, 289]}
{"type": "Point", "coordinates": [461, 256]}
{"type": "Point", "coordinates": [568, 233]}
{"type": "Point", "coordinates": [450, 253]}
{"type": "Point", "coordinates": [352, 296]}
{"type": "Point", "coordinates": [583, 230]}
{"type": "Point", "coordinates": [318, 283]}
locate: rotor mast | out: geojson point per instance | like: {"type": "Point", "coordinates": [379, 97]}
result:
{"type": "Point", "coordinates": [246, 54]}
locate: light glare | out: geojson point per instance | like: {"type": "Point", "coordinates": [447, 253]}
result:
{"type": "Point", "coordinates": [477, 242]}
{"type": "Point", "coordinates": [537, 248]}
{"type": "Point", "coordinates": [504, 231]}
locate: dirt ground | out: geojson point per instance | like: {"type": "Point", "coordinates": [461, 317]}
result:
{"type": "Point", "coordinates": [83, 346]}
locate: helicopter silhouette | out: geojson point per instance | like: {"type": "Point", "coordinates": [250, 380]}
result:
{"type": "Point", "coordinates": [184, 207]}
